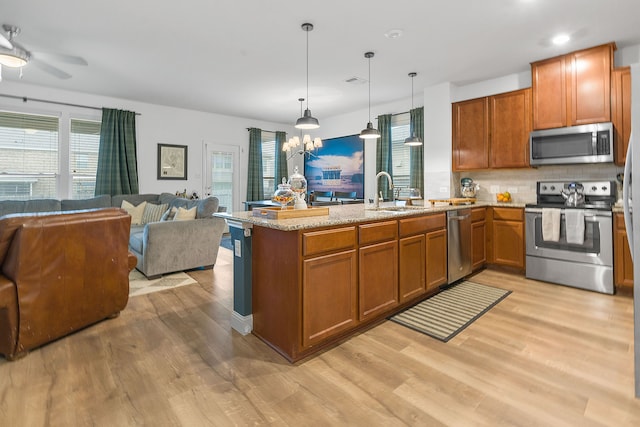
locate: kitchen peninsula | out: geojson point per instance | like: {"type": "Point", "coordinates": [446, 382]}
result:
{"type": "Point", "coordinates": [310, 282]}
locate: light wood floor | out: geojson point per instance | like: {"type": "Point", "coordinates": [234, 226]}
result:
{"type": "Point", "coordinates": [547, 355]}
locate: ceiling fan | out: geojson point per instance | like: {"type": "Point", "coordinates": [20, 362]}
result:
{"type": "Point", "coordinates": [14, 55]}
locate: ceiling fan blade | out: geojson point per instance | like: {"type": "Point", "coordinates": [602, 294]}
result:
{"type": "Point", "coordinates": [61, 57]}
{"type": "Point", "coordinates": [50, 69]}
{"type": "Point", "coordinates": [5, 42]}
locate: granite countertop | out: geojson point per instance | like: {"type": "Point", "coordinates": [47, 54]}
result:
{"type": "Point", "coordinates": [351, 214]}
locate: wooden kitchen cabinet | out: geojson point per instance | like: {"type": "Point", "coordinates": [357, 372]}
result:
{"type": "Point", "coordinates": [492, 132]}
{"type": "Point", "coordinates": [329, 296]}
{"type": "Point", "coordinates": [573, 89]}
{"type": "Point", "coordinates": [470, 134]}
{"type": "Point", "coordinates": [436, 259]}
{"type": "Point", "coordinates": [621, 111]}
{"type": "Point", "coordinates": [478, 238]}
{"type": "Point", "coordinates": [507, 237]}
{"type": "Point", "coordinates": [622, 262]}
{"type": "Point", "coordinates": [412, 266]}
{"type": "Point", "coordinates": [423, 255]}
{"type": "Point", "coordinates": [329, 284]}
{"type": "Point", "coordinates": [378, 268]}
{"type": "Point", "coordinates": [510, 126]}
{"type": "Point", "coordinates": [315, 286]}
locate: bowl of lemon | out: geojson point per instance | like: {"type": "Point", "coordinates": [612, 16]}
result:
{"type": "Point", "coordinates": [503, 197]}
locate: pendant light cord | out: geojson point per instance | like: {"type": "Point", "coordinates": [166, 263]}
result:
{"type": "Point", "coordinates": [369, 89]}
{"type": "Point", "coordinates": [307, 69]}
{"type": "Point", "coordinates": [412, 92]}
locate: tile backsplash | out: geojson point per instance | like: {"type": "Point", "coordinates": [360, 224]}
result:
{"type": "Point", "coordinates": [521, 183]}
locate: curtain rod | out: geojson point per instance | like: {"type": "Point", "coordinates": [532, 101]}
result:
{"type": "Point", "coordinates": [264, 130]}
{"type": "Point", "coordinates": [25, 99]}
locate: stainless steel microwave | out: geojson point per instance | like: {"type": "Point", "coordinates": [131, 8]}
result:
{"type": "Point", "coordinates": [591, 143]}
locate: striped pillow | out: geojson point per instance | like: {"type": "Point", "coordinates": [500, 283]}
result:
{"type": "Point", "coordinates": [153, 213]}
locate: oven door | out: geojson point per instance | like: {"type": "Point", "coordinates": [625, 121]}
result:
{"type": "Point", "coordinates": [597, 247]}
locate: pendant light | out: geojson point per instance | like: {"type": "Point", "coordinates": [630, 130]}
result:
{"type": "Point", "coordinates": [307, 121]}
{"type": "Point", "coordinates": [413, 140]}
{"type": "Point", "coordinates": [369, 132]}
{"type": "Point", "coordinates": [308, 144]}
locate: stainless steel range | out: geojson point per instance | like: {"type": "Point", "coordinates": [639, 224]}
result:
{"type": "Point", "coordinates": [569, 234]}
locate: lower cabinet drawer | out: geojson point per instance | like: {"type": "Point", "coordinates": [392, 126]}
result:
{"type": "Point", "coordinates": [422, 224]}
{"type": "Point", "coordinates": [318, 242]}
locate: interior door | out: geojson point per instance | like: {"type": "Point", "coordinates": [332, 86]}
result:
{"type": "Point", "coordinates": [221, 176]}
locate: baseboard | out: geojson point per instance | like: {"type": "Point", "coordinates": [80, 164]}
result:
{"type": "Point", "coordinates": [242, 324]}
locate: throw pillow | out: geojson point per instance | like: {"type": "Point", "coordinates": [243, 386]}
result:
{"type": "Point", "coordinates": [153, 213]}
{"type": "Point", "coordinates": [185, 214]}
{"type": "Point", "coordinates": [169, 214]}
{"type": "Point", "coordinates": [135, 211]}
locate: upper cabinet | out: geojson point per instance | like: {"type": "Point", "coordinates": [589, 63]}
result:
{"type": "Point", "coordinates": [573, 89]}
{"type": "Point", "coordinates": [510, 115]}
{"type": "Point", "coordinates": [470, 134]}
{"type": "Point", "coordinates": [492, 132]}
{"type": "Point", "coordinates": [621, 111]}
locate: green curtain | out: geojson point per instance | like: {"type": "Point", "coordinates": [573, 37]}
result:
{"type": "Point", "coordinates": [255, 191]}
{"type": "Point", "coordinates": [117, 171]}
{"type": "Point", "coordinates": [281, 159]}
{"type": "Point", "coordinates": [416, 154]}
{"type": "Point", "coordinates": [383, 155]}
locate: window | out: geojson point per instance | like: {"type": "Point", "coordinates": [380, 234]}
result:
{"type": "Point", "coordinates": [28, 156]}
{"type": "Point", "coordinates": [269, 163]}
{"type": "Point", "coordinates": [400, 129]}
{"type": "Point", "coordinates": [222, 178]}
{"type": "Point", "coordinates": [84, 142]}
{"type": "Point", "coordinates": [40, 158]}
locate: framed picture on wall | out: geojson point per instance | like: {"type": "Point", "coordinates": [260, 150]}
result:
{"type": "Point", "coordinates": [172, 161]}
{"type": "Point", "coordinates": [337, 166]}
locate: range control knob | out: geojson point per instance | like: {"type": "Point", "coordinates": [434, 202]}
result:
{"type": "Point", "coordinates": [594, 188]}
{"type": "Point", "coordinates": [553, 188]}
{"type": "Point", "coordinates": [604, 188]}
{"type": "Point", "coordinates": [544, 188]}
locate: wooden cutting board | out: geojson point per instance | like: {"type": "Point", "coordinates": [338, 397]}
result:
{"type": "Point", "coordinates": [289, 212]}
{"type": "Point", "coordinates": [454, 201]}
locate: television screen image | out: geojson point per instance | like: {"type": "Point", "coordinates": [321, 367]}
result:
{"type": "Point", "coordinates": [337, 166]}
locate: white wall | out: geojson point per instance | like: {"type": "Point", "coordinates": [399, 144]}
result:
{"type": "Point", "coordinates": [155, 124]}
{"type": "Point", "coordinates": [437, 141]}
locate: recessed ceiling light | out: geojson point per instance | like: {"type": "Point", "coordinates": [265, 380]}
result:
{"type": "Point", "coordinates": [560, 39]}
{"type": "Point", "coordinates": [393, 34]}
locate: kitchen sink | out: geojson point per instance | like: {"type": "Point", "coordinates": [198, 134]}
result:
{"type": "Point", "coordinates": [397, 208]}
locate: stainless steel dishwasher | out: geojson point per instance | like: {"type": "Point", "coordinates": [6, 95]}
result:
{"type": "Point", "coordinates": [458, 244]}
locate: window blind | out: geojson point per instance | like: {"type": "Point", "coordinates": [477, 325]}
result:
{"type": "Point", "coordinates": [269, 163]}
{"type": "Point", "coordinates": [29, 146]}
{"type": "Point", "coordinates": [400, 129]}
{"type": "Point", "coordinates": [84, 143]}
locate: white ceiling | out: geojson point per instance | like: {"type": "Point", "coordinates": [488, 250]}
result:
{"type": "Point", "coordinates": [247, 57]}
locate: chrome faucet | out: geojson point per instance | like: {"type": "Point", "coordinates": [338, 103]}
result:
{"type": "Point", "coordinates": [377, 199]}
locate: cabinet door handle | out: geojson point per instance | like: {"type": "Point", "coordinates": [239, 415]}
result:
{"type": "Point", "coordinates": [459, 218]}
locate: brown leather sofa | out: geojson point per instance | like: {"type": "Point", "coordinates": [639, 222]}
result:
{"type": "Point", "coordinates": [60, 272]}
